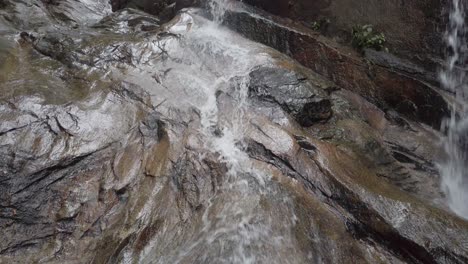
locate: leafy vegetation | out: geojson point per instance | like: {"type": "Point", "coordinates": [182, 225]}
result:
{"type": "Point", "coordinates": [315, 25]}
{"type": "Point", "coordinates": [320, 24]}
{"type": "Point", "coordinates": [365, 37]}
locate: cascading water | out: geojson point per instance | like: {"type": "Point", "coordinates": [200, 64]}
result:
{"type": "Point", "coordinates": [454, 170]}
{"type": "Point", "coordinates": [209, 59]}
{"type": "Point", "coordinates": [218, 9]}
{"type": "Point", "coordinates": [240, 221]}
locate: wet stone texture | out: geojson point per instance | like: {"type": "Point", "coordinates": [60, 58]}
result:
{"type": "Point", "coordinates": [306, 103]}
{"type": "Point", "coordinates": [388, 82]}
{"type": "Point", "coordinates": [104, 160]}
{"type": "Point", "coordinates": [412, 28]}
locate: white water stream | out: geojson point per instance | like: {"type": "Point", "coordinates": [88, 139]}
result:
{"type": "Point", "coordinates": [454, 170]}
{"type": "Point", "coordinates": [205, 59]}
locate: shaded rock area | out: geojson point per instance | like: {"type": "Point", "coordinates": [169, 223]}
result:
{"type": "Point", "coordinates": [412, 28]}
{"type": "Point", "coordinates": [165, 9]}
{"type": "Point", "coordinates": [124, 139]}
{"type": "Point", "coordinates": [382, 82]}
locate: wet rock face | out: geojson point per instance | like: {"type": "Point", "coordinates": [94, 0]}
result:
{"type": "Point", "coordinates": [389, 82]}
{"type": "Point", "coordinates": [72, 161]}
{"type": "Point", "coordinates": [197, 180]}
{"type": "Point", "coordinates": [186, 3]}
{"type": "Point", "coordinates": [149, 6]}
{"type": "Point", "coordinates": [165, 9]}
{"type": "Point", "coordinates": [412, 28]}
{"type": "Point", "coordinates": [293, 92]}
{"type": "Point", "coordinates": [103, 159]}
{"type": "Point", "coordinates": [63, 168]}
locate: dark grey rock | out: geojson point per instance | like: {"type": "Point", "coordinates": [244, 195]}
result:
{"type": "Point", "coordinates": [306, 103]}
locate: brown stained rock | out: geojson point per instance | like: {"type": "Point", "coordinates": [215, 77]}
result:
{"type": "Point", "coordinates": [369, 112]}
{"type": "Point", "coordinates": [157, 158]}
{"type": "Point", "coordinates": [126, 167]}
{"type": "Point", "coordinates": [147, 234]}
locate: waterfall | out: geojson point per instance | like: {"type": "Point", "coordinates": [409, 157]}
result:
{"type": "Point", "coordinates": [217, 9]}
{"type": "Point", "coordinates": [209, 60]}
{"type": "Point", "coordinates": [454, 170]}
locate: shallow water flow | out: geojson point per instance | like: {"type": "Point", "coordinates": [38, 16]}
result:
{"type": "Point", "coordinates": [211, 65]}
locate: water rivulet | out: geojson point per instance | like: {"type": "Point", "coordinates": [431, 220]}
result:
{"type": "Point", "coordinates": [126, 140]}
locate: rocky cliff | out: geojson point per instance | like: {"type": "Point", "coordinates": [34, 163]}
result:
{"type": "Point", "coordinates": [413, 28]}
{"type": "Point", "coordinates": [129, 137]}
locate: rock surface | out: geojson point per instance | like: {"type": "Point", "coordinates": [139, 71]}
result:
{"type": "Point", "coordinates": [128, 140]}
{"type": "Point", "coordinates": [164, 9]}
{"type": "Point", "coordinates": [307, 104]}
{"type": "Point", "coordinates": [382, 83]}
{"type": "Point", "coordinates": [412, 28]}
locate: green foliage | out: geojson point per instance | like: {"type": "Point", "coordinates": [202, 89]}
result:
{"type": "Point", "coordinates": [365, 37]}
{"type": "Point", "coordinates": [315, 25]}
{"type": "Point", "coordinates": [320, 24]}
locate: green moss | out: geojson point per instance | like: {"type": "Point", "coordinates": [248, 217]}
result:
{"type": "Point", "coordinates": [365, 37]}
